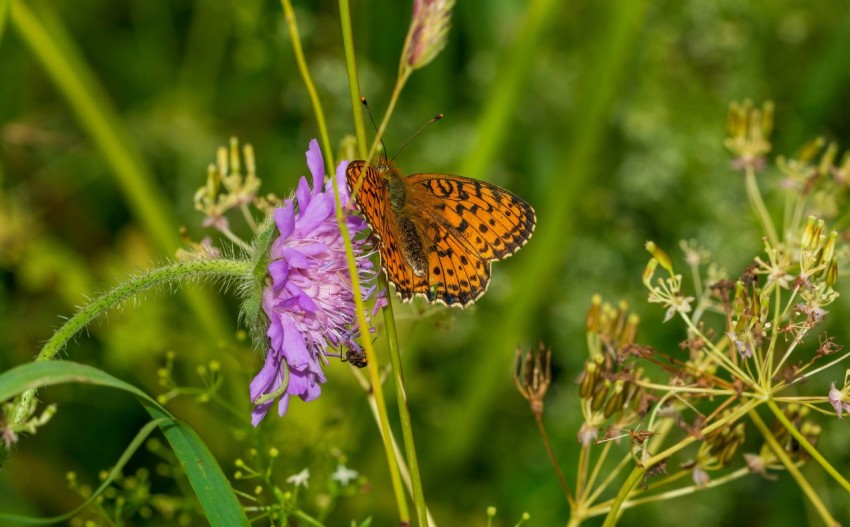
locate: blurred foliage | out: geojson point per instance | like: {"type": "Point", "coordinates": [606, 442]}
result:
{"type": "Point", "coordinates": [184, 76]}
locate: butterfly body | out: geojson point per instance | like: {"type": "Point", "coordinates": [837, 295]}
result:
{"type": "Point", "coordinates": [438, 232]}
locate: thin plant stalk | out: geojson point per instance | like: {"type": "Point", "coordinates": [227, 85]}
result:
{"type": "Point", "coordinates": [758, 206]}
{"type": "Point", "coordinates": [403, 410]}
{"type": "Point", "coordinates": [289, 14]}
{"type": "Point", "coordinates": [402, 464]}
{"type": "Point", "coordinates": [374, 373]}
{"type": "Point", "coordinates": [403, 75]}
{"type": "Point", "coordinates": [353, 79]}
{"type": "Point", "coordinates": [807, 446]}
{"type": "Point", "coordinates": [792, 468]}
{"type": "Point", "coordinates": [564, 486]}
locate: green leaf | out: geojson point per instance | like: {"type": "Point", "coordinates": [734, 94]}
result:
{"type": "Point", "coordinates": [208, 481]}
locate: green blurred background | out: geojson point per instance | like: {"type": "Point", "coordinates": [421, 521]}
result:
{"type": "Point", "coordinates": [607, 116]}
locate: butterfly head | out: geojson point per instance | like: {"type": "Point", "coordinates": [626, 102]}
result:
{"type": "Point", "coordinates": [387, 169]}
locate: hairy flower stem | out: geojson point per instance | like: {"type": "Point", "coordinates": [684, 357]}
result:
{"type": "Point", "coordinates": [374, 373]}
{"type": "Point", "coordinates": [289, 14]}
{"type": "Point", "coordinates": [216, 269]}
{"type": "Point", "coordinates": [758, 206]}
{"type": "Point", "coordinates": [566, 488]}
{"type": "Point", "coordinates": [779, 452]}
{"type": "Point", "coordinates": [807, 446]}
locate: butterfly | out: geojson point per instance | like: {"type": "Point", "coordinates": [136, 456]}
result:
{"type": "Point", "coordinates": [439, 233]}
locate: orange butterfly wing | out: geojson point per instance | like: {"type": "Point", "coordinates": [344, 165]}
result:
{"type": "Point", "coordinates": [373, 200]}
{"type": "Point", "coordinates": [469, 223]}
{"type": "Point", "coordinates": [463, 224]}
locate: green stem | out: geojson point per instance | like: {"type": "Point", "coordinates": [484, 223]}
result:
{"type": "Point", "coordinates": [807, 446]}
{"type": "Point", "coordinates": [617, 504]}
{"type": "Point", "coordinates": [179, 272]}
{"type": "Point", "coordinates": [792, 468]}
{"type": "Point", "coordinates": [403, 411]}
{"type": "Point", "coordinates": [403, 75]}
{"type": "Point", "coordinates": [372, 359]}
{"type": "Point", "coordinates": [73, 77]}
{"type": "Point", "coordinates": [758, 206]}
{"type": "Point", "coordinates": [289, 14]}
{"type": "Point", "coordinates": [566, 488]}
{"type": "Point", "coordinates": [353, 79]}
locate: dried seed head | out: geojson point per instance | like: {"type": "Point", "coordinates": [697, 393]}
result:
{"type": "Point", "coordinates": [533, 375]}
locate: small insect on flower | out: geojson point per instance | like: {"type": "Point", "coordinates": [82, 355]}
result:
{"type": "Point", "coordinates": [439, 233]}
{"type": "Point", "coordinates": [308, 298]}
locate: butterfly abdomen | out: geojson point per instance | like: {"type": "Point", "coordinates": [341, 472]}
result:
{"type": "Point", "coordinates": [411, 244]}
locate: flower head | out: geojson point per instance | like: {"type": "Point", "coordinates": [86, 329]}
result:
{"type": "Point", "coordinates": [309, 300]}
{"type": "Point", "coordinates": [427, 34]}
{"type": "Point", "coordinates": [344, 475]}
{"type": "Point", "coordinates": [302, 479]}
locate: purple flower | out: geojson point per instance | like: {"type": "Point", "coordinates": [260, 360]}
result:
{"type": "Point", "coordinates": [309, 301]}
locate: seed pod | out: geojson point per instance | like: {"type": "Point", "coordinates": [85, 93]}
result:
{"type": "Point", "coordinates": [615, 401]}
{"type": "Point", "coordinates": [600, 395]}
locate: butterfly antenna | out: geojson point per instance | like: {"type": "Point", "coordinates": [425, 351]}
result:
{"type": "Point", "coordinates": [369, 112]}
{"type": "Point", "coordinates": [424, 126]}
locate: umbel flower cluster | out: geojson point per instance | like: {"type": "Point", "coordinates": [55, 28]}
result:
{"type": "Point", "coordinates": [750, 343]}
{"type": "Point", "coordinates": [302, 304]}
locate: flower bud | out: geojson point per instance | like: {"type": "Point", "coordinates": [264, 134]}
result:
{"type": "Point", "coordinates": [809, 232]}
{"type": "Point", "coordinates": [832, 273]}
{"type": "Point", "coordinates": [649, 271]}
{"type": "Point", "coordinates": [600, 395]}
{"type": "Point", "coordinates": [427, 34]}
{"type": "Point", "coordinates": [591, 323]}
{"type": "Point", "coordinates": [615, 402]}
{"type": "Point", "coordinates": [829, 247]}
{"type": "Point", "coordinates": [588, 380]}
{"type": "Point", "coordinates": [660, 255]}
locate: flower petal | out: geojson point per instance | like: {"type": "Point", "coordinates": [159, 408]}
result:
{"type": "Point", "coordinates": [283, 405]}
{"type": "Point", "coordinates": [279, 271]}
{"type": "Point", "coordinates": [341, 182]}
{"type": "Point", "coordinates": [294, 258]}
{"type": "Point", "coordinates": [265, 381]}
{"type": "Point", "coordinates": [319, 210]}
{"type": "Point", "coordinates": [284, 218]}
{"type": "Point", "coordinates": [294, 347]}
{"type": "Point", "coordinates": [302, 194]}
{"type": "Point", "coordinates": [317, 166]}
